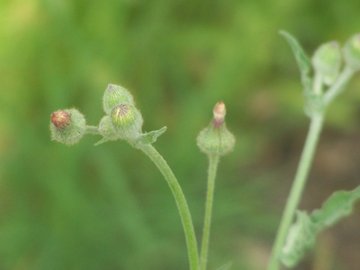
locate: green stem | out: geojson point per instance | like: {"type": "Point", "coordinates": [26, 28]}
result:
{"type": "Point", "coordinates": [92, 130]}
{"type": "Point", "coordinates": [338, 86]}
{"type": "Point", "coordinates": [213, 164]}
{"type": "Point", "coordinates": [181, 203]}
{"type": "Point", "coordinates": [297, 188]}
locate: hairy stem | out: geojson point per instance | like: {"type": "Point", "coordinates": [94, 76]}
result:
{"type": "Point", "coordinates": [92, 130]}
{"type": "Point", "coordinates": [213, 164]}
{"type": "Point", "coordinates": [297, 188]}
{"type": "Point", "coordinates": [181, 203]}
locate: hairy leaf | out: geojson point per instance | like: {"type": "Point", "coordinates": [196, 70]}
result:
{"type": "Point", "coordinates": [302, 60]}
{"type": "Point", "coordinates": [301, 237]}
{"type": "Point", "coordinates": [338, 205]}
{"type": "Point", "coordinates": [303, 232]}
{"type": "Point", "coordinates": [151, 137]}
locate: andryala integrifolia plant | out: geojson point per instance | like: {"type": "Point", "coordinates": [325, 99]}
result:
{"type": "Point", "coordinates": [323, 78]}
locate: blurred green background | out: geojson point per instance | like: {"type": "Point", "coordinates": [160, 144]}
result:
{"type": "Point", "coordinates": [107, 207]}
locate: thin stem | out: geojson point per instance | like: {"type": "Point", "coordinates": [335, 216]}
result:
{"type": "Point", "coordinates": [213, 164]}
{"type": "Point", "coordinates": [338, 86]}
{"type": "Point", "coordinates": [92, 130]}
{"type": "Point", "coordinates": [181, 203]}
{"type": "Point", "coordinates": [297, 188]}
{"type": "Point", "coordinates": [318, 83]}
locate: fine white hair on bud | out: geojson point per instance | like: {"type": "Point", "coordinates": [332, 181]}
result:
{"type": "Point", "coordinates": [216, 139]}
{"type": "Point", "coordinates": [352, 52]}
{"type": "Point", "coordinates": [115, 95]}
{"type": "Point", "coordinates": [327, 61]}
{"type": "Point", "coordinates": [67, 126]}
{"type": "Point", "coordinates": [107, 129]}
{"type": "Point", "coordinates": [127, 121]}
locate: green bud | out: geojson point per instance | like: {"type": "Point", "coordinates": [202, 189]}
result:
{"type": "Point", "coordinates": [67, 126]}
{"type": "Point", "coordinates": [327, 61]}
{"type": "Point", "coordinates": [352, 52]}
{"type": "Point", "coordinates": [216, 139]}
{"type": "Point", "coordinates": [115, 95]}
{"type": "Point", "coordinates": [127, 121]}
{"type": "Point", "coordinates": [107, 129]}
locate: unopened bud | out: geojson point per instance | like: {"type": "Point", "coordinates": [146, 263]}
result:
{"type": "Point", "coordinates": [127, 121]}
{"type": "Point", "coordinates": [352, 52]}
{"type": "Point", "coordinates": [327, 61]}
{"type": "Point", "coordinates": [107, 129]}
{"type": "Point", "coordinates": [216, 139]}
{"type": "Point", "coordinates": [115, 95]}
{"type": "Point", "coordinates": [60, 119]}
{"type": "Point", "coordinates": [67, 126]}
{"type": "Point", "coordinates": [219, 113]}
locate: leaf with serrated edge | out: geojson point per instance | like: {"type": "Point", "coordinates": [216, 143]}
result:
{"type": "Point", "coordinates": [302, 59]}
{"type": "Point", "coordinates": [303, 232]}
{"type": "Point", "coordinates": [338, 205]}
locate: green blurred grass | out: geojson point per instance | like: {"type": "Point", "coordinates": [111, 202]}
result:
{"type": "Point", "coordinates": [107, 207]}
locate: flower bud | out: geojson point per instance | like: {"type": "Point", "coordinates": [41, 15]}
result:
{"type": "Point", "coordinates": [216, 139]}
{"type": "Point", "coordinates": [115, 95]}
{"type": "Point", "coordinates": [219, 113]}
{"type": "Point", "coordinates": [127, 121]}
{"type": "Point", "coordinates": [327, 61]}
{"type": "Point", "coordinates": [352, 52]}
{"type": "Point", "coordinates": [67, 126]}
{"type": "Point", "coordinates": [107, 129]}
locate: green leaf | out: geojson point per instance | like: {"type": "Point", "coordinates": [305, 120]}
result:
{"type": "Point", "coordinates": [226, 266]}
{"type": "Point", "coordinates": [103, 140]}
{"type": "Point", "coordinates": [302, 60]}
{"type": "Point", "coordinates": [337, 206]}
{"type": "Point", "coordinates": [303, 232]}
{"type": "Point", "coordinates": [300, 238]}
{"type": "Point", "coordinates": [150, 137]}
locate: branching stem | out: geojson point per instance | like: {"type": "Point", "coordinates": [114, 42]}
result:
{"type": "Point", "coordinates": [297, 188]}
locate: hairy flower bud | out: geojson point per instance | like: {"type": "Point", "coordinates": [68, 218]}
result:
{"type": "Point", "coordinates": [67, 126]}
{"type": "Point", "coordinates": [115, 95]}
{"type": "Point", "coordinates": [327, 61]}
{"type": "Point", "coordinates": [216, 139]}
{"type": "Point", "coordinates": [127, 121]}
{"type": "Point", "coordinates": [107, 129]}
{"type": "Point", "coordinates": [352, 52]}
{"type": "Point", "coordinates": [60, 119]}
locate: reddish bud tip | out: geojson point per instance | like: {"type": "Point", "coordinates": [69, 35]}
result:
{"type": "Point", "coordinates": [219, 112]}
{"type": "Point", "coordinates": [60, 119]}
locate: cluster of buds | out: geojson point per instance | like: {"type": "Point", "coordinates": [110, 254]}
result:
{"type": "Point", "coordinates": [216, 139]}
{"type": "Point", "coordinates": [327, 59]}
{"type": "Point", "coordinates": [122, 119]}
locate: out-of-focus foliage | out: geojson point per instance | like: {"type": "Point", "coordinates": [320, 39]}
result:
{"type": "Point", "coordinates": [106, 207]}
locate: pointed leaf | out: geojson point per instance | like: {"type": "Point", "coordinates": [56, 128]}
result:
{"type": "Point", "coordinates": [151, 137]}
{"type": "Point", "coordinates": [103, 140]}
{"type": "Point", "coordinates": [302, 59]}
